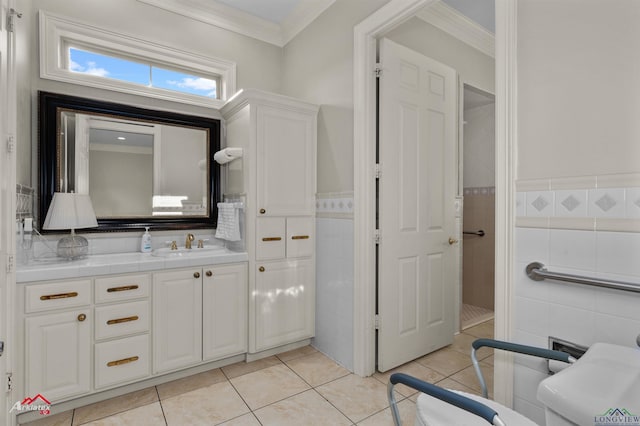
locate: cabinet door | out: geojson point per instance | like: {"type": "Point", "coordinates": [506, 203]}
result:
{"type": "Point", "coordinates": [177, 319]}
{"type": "Point", "coordinates": [224, 311]}
{"type": "Point", "coordinates": [58, 350]}
{"type": "Point", "coordinates": [284, 302]}
{"type": "Point", "coordinates": [286, 162]}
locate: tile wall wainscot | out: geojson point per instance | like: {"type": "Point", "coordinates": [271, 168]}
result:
{"type": "Point", "coordinates": [585, 226]}
{"type": "Point", "coordinates": [334, 277]}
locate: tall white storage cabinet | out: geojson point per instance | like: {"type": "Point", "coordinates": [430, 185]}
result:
{"type": "Point", "coordinates": [277, 179]}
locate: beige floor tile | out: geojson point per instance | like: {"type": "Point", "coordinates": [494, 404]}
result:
{"type": "Point", "coordinates": [412, 369]}
{"type": "Point", "coordinates": [206, 406]}
{"type": "Point", "coordinates": [113, 406]}
{"type": "Point", "coordinates": [307, 408]}
{"type": "Point", "coordinates": [483, 330]}
{"type": "Point", "coordinates": [248, 419]}
{"type": "Point", "coordinates": [462, 343]}
{"type": "Point", "coordinates": [356, 397]}
{"type": "Point", "coordinates": [303, 351]}
{"type": "Point", "coordinates": [60, 419]}
{"type": "Point", "coordinates": [469, 378]}
{"type": "Point", "coordinates": [407, 410]}
{"type": "Point", "coordinates": [147, 415]}
{"type": "Point", "coordinates": [317, 369]}
{"type": "Point", "coordinates": [268, 385]}
{"type": "Point", "coordinates": [241, 368]}
{"type": "Point", "coordinates": [197, 381]}
{"type": "Point", "coordinates": [446, 361]}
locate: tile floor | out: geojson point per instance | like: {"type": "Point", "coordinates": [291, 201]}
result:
{"type": "Point", "coordinates": [301, 387]}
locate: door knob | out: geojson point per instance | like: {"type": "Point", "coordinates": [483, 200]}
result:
{"type": "Point", "coordinates": [452, 241]}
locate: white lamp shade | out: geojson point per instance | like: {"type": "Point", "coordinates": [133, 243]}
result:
{"type": "Point", "coordinates": [70, 211]}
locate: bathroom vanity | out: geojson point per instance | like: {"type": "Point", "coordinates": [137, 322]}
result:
{"type": "Point", "coordinates": [107, 321]}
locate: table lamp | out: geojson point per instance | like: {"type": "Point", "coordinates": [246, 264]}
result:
{"type": "Point", "coordinates": [70, 211]}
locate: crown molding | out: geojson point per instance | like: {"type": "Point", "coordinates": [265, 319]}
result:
{"type": "Point", "coordinates": [459, 26]}
{"type": "Point", "coordinates": [220, 15]}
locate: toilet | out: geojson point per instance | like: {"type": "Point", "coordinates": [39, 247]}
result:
{"type": "Point", "coordinates": [602, 387]}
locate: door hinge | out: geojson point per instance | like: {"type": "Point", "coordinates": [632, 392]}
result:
{"type": "Point", "coordinates": [378, 70]}
{"type": "Point", "coordinates": [376, 236]}
{"type": "Point", "coordinates": [10, 263]}
{"type": "Point", "coordinates": [9, 382]}
{"type": "Point", "coordinates": [11, 144]}
{"type": "Point", "coordinates": [377, 171]}
{"type": "Point", "coordinates": [11, 19]}
{"type": "Point", "coordinates": [376, 322]}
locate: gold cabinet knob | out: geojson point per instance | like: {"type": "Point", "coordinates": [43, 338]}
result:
{"type": "Point", "coordinates": [196, 275]}
{"type": "Point", "coordinates": [82, 317]}
{"type": "Point", "coordinates": [452, 241]}
{"type": "Point", "coordinates": [261, 269]}
{"type": "Point", "coordinates": [262, 211]}
{"type": "Point", "coordinates": [208, 273]}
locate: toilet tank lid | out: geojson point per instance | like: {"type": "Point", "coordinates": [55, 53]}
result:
{"type": "Point", "coordinates": [605, 381]}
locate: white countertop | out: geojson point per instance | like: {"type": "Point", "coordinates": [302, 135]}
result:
{"type": "Point", "coordinates": [106, 264]}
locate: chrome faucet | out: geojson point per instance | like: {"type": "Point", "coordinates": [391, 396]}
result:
{"type": "Point", "coordinates": [187, 243]}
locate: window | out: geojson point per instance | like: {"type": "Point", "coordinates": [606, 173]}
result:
{"type": "Point", "coordinates": [91, 56]}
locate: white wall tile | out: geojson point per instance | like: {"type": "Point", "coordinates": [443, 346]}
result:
{"type": "Point", "coordinates": [521, 200]}
{"type": "Point", "coordinates": [617, 330]}
{"type": "Point", "coordinates": [607, 202]}
{"type": "Point", "coordinates": [530, 410]}
{"type": "Point", "coordinates": [571, 203]}
{"type": "Point", "coordinates": [525, 382]}
{"type": "Point", "coordinates": [623, 304]}
{"type": "Point", "coordinates": [532, 245]}
{"type": "Point", "coordinates": [632, 198]}
{"type": "Point", "coordinates": [539, 203]}
{"type": "Point", "coordinates": [618, 253]}
{"type": "Point", "coordinates": [572, 249]}
{"type": "Point", "coordinates": [526, 287]}
{"type": "Point", "coordinates": [572, 324]}
{"type": "Point", "coordinates": [532, 316]}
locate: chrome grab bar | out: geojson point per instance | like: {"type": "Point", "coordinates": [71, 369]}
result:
{"type": "Point", "coordinates": [479, 233]}
{"type": "Point", "coordinates": [537, 272]}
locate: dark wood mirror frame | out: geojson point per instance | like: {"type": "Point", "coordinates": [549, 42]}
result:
{"type": "Point", "coordinates": [48, 107]}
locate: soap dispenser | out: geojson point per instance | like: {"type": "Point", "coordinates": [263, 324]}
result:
{"type": "Point", "coordinates": [145, 243]}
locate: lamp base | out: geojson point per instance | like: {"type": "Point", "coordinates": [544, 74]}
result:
{"type": "Point", "coordinates": [73, 247]}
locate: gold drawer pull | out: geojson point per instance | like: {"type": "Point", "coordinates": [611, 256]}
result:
{"type": "Point", "coordinates": [121, 320]}
{"type": "Point", "coordinates": [261, 269]}
{"type": "Point", "coordinates": [300, 237]}
{"type": "Point", "coordinates": [262, 211]}
{"type": "Point", "coordinates": [123, 288]}
{"type": "Point", "coordinates": [59, 296]}
{"type": "Point", "coordinates": [123, 361]}
{"type": "Point", "coordinates": [271, 239]}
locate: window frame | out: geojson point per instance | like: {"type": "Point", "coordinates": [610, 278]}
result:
{"type": "Point", "coordinates": [57, 34]}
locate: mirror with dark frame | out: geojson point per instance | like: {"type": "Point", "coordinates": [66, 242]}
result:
{"type": "Point", "coordinates": [140, 167]}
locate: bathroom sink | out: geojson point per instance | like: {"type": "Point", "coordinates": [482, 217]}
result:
{"type": "Point", "coordinates": [184, 252]}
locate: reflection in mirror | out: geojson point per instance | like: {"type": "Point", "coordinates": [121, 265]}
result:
{"type": "Point", "coordinates": [139, 167]}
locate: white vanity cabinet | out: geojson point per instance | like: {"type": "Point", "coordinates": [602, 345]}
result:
{"type": "Point", "coordinates": [277, 180]}
{"type": "Point", "coordinates": [57, 338]}
{"type": "Point", "coordinates": [200, 314]}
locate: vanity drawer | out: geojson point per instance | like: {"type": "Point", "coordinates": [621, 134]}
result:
{"type": "Point", "coordinates": [124, 287]}
{"type": "Point", "coordinates": [57, 295]}
{"type": "Point", "coordinates": [122, 319]}
{"type": "Point", "coordinates": [271, 236]}
{"type": "Point", "coordinates": [122, 360]}
{"type": "Point", "coordinates": [300, 241]}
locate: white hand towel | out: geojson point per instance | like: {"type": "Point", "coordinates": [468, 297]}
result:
{"type": "Point", "coordinates": [228, 227]}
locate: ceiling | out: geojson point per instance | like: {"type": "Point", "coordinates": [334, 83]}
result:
{"type": "Point", "coordinates": [276, 11]}
{"type": "Point", "coordinates": [279, 21]}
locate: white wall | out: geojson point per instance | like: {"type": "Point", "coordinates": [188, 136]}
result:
{"type": "Point", "coordinates": [479, 147]}
{"type": "Point", "coordinates": [474, 67]}
{"type": "Point", "coordinates": [578, 199]}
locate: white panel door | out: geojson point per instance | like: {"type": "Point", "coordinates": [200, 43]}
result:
{"type": "Point", "coordinates": [417, 189]}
